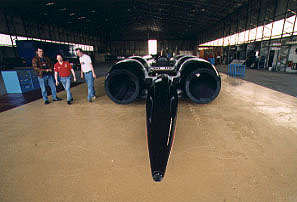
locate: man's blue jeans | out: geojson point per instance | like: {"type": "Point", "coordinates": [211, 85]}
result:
{"type": "Point", "coordinates": [66, 81]}
{"type": "Point", "coordinates": [47, 80]}
{"type": "Point", "coordinates": [90, 82]}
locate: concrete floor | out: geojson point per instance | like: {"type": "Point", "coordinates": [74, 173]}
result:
{"type": "Point", "coordinates": [279, 81]}
{"type": "Point", "coordinates": [100, 69]}
{"type": "Point", "coordinates": [241, 147]}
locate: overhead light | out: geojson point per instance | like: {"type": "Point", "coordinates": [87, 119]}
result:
{"type": "Point", "coordinates": [93, 11]}
{"type": "Point", "coordinates": [50, 3]}
{"type": "Point", "coordinates": [72, 14]}
{"type": "Point", "coordinates": [63, 9]}
{"type": "Point", "coordinates": [203, 9]}
{"type": "Point", "coordinates": [82, 17]}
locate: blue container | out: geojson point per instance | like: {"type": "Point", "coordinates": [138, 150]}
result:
{"type": "Point", "coordinates": [236, 70]}
{"type": "Point", "coordinates": [212, 61]}
{"type": "Point", "coordinates": [11, 82]}
{"type": "Point", "coordinates": [20, 81]}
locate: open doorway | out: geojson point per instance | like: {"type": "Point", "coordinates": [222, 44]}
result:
{"type": "Point", "coordinates": [152, 47]}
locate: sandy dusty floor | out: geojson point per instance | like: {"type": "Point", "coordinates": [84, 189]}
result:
{"type": "Point", "coordinates": [241, 147]}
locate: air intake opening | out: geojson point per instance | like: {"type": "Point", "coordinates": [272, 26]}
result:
{"type": "Point", "coordinates": [122, 86]}
{"type": "Point", "coordinates": [202, 86]}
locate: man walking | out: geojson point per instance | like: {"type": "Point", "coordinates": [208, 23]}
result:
{"type": "Point", "coordinates": [44, 70]}
{"type": "Point", "coordinates": [87, 70]}
{"type": "Point", "coordinates": [64, 69]}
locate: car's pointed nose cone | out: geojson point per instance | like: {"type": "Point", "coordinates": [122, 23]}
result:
{"type": "Point", "coordinates": [161, 108]}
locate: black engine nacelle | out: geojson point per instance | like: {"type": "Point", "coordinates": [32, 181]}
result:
{"type": "Point", "coordinates": [196, 78]}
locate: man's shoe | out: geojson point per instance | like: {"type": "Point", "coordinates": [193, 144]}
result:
{"type": "Point", "coordinates": [89, 100]}
{"type": "Point", "coordinates": [69, 102]}
{"type": "Point", "coordinates": [71, 99]}
{"type": "Point", "coordinates": [93, 98]}
{"type": "Point", "coordinates": [57, 99]}
{"type": "Point", "coordinates": [46, 102]}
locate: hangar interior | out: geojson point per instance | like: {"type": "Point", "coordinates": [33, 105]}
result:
{"type": "Point", "coordinates": [239, 147]}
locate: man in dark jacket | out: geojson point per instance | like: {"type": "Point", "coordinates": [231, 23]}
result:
{"type": "Point", "coordinates": [44, 70]}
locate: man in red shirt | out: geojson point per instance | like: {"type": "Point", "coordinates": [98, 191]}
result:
{"type": "Point", "coordinates": [64, 69]}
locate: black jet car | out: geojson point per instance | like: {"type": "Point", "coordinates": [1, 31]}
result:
{"type": "Point", "coordinates": [162, 81]}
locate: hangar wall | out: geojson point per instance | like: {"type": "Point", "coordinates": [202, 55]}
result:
{"type": "Point", "coordinates": [6, 52]}
{"type": "Point", "coordinates": [140, 47]}
{"type": "Point", "coordinates": [253, 14]}
{"type": "Point", "coordinates": [15, 25]}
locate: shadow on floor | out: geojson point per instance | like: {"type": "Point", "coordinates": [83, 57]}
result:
{"type": "Point", "coordinates": [10, 101]}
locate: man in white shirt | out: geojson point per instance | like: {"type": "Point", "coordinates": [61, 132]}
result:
{"type": "Point", "coordinates": [87, 69]}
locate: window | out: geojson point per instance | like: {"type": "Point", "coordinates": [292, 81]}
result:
{"type": "Point", "coordinates": [6, 41]}
{"type": "Point", "coordinates": [272, 30]}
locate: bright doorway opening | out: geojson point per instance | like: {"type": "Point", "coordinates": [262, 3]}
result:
{"type": "Point", "coordinates": [152, 47]}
